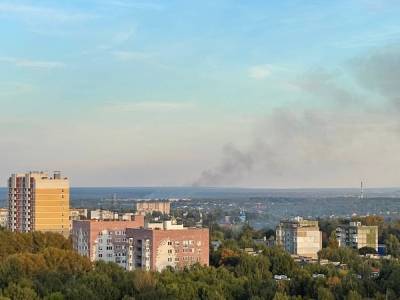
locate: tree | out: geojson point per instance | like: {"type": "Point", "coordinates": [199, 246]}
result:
{"type": "Point", "coordinates": [353, 295]}
{"type": "Point", "coordinates": [366, 250]}
{"type": "Point", "coordinates": [333, 243]}
{"type": "Point", "coordinates": [280, 296]}
{"type": "Point", "coordinates": [393, 245]}
{"type": "Point", "coordinates": [325, 294]}
{"type": "Point", "coordinates": [18, 292]}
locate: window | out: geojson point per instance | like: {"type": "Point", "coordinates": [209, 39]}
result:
{"type": "Point", "coordinates": [100, 255]}
{"type": "Point", "coordinates": [169, 243]}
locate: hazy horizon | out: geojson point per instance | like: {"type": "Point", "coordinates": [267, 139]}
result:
{"type": "Point", "coordinates": [288, 94]}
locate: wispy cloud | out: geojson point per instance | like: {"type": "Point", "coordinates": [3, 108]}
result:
{"type": "Point", "coordinates": [387, 35]}
{"type": "Point", "coordinates": [131, 55]}
{"type": "Point", "coordinates": [14, 88]}
{"type": "Point", "coordinates": [119, 38]}
{"type": "Point", "coordinates": [259, 72]}
{"type": "Point", "coordinates": [38, 12]}
{"type": "Point", "coordinates": [147, 106]}
{"type": "Point", "coordinates": [136, 4]}
{"type": "Point", "coordinates": [123, 36]}
{"type": "Point", "coordinates": [33, 64]}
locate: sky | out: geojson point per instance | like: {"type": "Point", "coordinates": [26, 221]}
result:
{"type": "Point", "coordinates": [283, 93]}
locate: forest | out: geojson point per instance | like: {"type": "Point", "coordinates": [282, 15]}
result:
{"type": "Point", "coordinates": [43, 266]}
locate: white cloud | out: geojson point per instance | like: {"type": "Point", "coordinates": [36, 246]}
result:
{"type": "Point", "coordinates": [260, 72]}
{"type": "Point", "coordinates": [31, 11]}
{"type": "Point", "coordinates": [147, 106]}
{"type": "Point", "coordinates": [34, 64]}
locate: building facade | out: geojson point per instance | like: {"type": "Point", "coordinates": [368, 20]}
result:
{"type": "Point", "coordinates": [299, 237]}
{"type": "Point", "coordinates": [77, 214]}
{"type": "Point", "coordinates": [103, 240]}
{"type": "Point", "coordinates": [161, 245]}
{"type": "Point", "coordinates": [38, 202]}
{"type": "Point", "coordinates": [148, 206]}
{"type": "Point", "coordinates": [3, 217]}
{"type": "Point", "coordinates": [357, 236]}
{"type": "Point", "coordinates": [102, 214]}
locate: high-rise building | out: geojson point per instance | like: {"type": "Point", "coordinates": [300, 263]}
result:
{"type": "Point", "coordinates": [103, 239]}
{"type": "Point", "coordinates": [3, 217]}
{"type": "Point", "coordinates": [357, 236]}
{"type": "Point", "coordinates": [37, 202]}
{"type": "Point", "coordinates": [160, 245]}
{"type": "Point", "coordinates": [148, 206]}
{"type": "Point", "coordinates": [299, 237]}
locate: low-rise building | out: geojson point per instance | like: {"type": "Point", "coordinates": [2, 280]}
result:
{"type": "Point", "coordinates": [103, 240]}
{"type": "Point", "coordinates": [102, 214]}
{"type": "Point", "coordinates": [149, 206]}
{"type": "Point", "coordinates": [357, 236]}
{"type": "Point", "coordinates": [160, 245]}
{"type": "Point", "coordinates": [299, 237]}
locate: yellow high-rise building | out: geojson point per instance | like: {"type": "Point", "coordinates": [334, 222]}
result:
{"type": "Point", "coordinates": [38, 202]}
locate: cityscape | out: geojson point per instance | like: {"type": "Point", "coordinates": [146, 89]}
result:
{"type": "Point", "coordinates": [199, 150]}
{"type": "Point", "coordinates": [155, 235]}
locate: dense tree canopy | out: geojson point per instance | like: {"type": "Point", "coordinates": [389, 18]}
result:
{"type": "Point", "coordinates": [43, 266]}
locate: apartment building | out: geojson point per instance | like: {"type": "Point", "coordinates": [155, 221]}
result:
{"type": "Point", "coordinates": [102, 214]}
{"type": "Point", "coordinates": [160, 245]}
{"type": "Point", "coordinates": [77, 214]}
{"type": "Point", "coordinates": [357, 236]}
{"type": "Point", "coordinates": [3, 217]}
{"type": "Point", "coordinates": [103, 239]}
{"type": "Point", "coordinates": [299, 237]}
{"type": "Point", "coordinates": [148, 206]}
{"type": "Point", "coordinates": [38, 202]}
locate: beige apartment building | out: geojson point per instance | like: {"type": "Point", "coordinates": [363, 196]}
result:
{"type": "Point", "coordinates": [357, 236]}
{"type": "Point", "coordinates": [3, 217]}
{"type": "Point", "coordinates": [299, 237]}
{"type": "Point", "coordinates": [38, 202]}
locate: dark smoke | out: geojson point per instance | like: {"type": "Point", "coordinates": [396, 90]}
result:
{"type": "Point", "coordinates": [354, 131]}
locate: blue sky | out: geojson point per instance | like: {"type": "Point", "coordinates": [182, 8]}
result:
{"type": "Point", "coordinates": [183, 92]}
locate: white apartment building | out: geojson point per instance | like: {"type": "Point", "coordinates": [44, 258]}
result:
{"type": "Point", "coordinates": [299, 237]}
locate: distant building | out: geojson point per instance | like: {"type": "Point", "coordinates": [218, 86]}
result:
{"type": "Point", "coordinates": [77, 214]}
{"type": "Point", "coordinates": [102, 214]}
{"type": "Point", "coordinates": [3, 217]}
{"type": "Point", "coordinates": [242, 216]}
{"type": "Point", "coordinates": [37, 202]}
{"type": "Point", "coordinates": [166, 244]}
{"type": "Point", "coordinates": [357, 236]}
{"type": "Point", "coordinates": [299, 237]}
{"type": "Point", "coordinates": [270, 242]}
{"type": "Point", "coordinates": [149, 206]}
{"type": "Point", "coordinates": [103, 240]}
